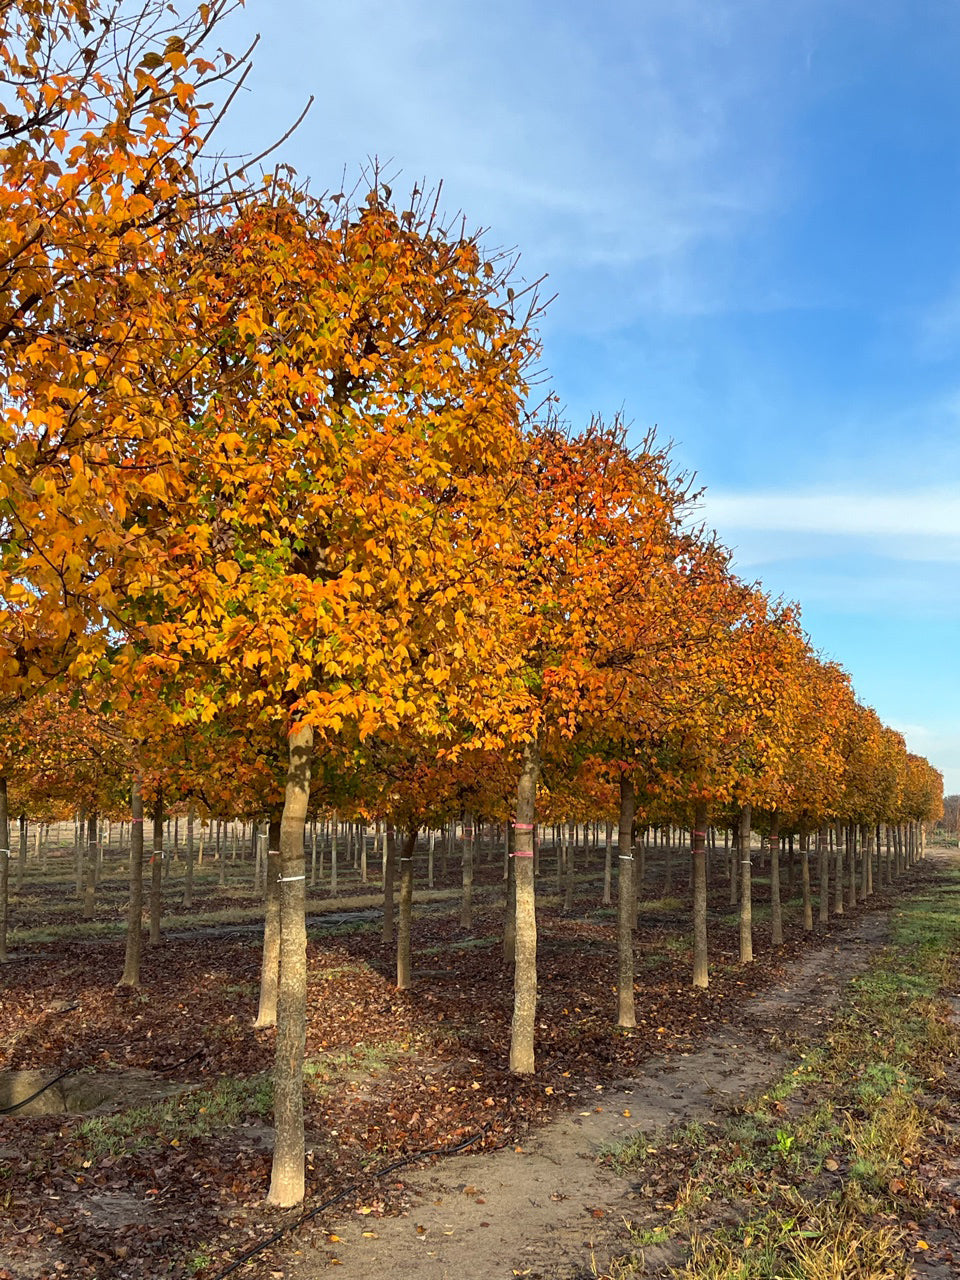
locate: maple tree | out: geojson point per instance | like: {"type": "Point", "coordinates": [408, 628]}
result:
{"type": "Point", "coordinates": [269, 491]}
{"type": "Point", "coordinates": [332, 560]}
{"type": "Point", "coordinates": [100, 173]}
{"type": "Point", "coordinates": [598, 537]}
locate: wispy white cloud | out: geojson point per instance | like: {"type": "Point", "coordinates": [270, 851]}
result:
{"type": "Point", "coordinates": [922, 514]}
{"type": "Point", "coordinates": [611, 142]}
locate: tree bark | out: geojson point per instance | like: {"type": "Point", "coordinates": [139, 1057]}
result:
{"type": "Point", "coordinates": [698, 857]}
{"type": "Point", "coordinates": [156, 869]}
{"type": "Point", "coordinates": [510, 911]}
{"type": "Point", "coordinates": [131, 963]}
{"type": "Point", "coordinates": [90, 878]}
{"type": "Point", "coordinates": [522, 1057]}
{"type": "Point", "coordinates": [838, 885]}
{"type": "Point", "coordinates": [404, 917]}
{"type": "Point", "coordinates": [823, 859]}
{"type": "Point", "coordinates": [22, 853]}
{"type": "Point", "coordinates": [805, 883]}
{"type": "Point", "coordinates": [570, 869]}
{"type": "Point", "coordinates": [4, 868]}
{"type": "Point", "coordinates": [270, 956]}
{"type": "Point", "coordinates": [334, 825]}
{"type": "Point", "coordinates": [608, 865]}
{"type": "Point", "coordinates": [776, 912]}
{"type": "Point", "coordinates": [79, 844]}
{"type": "Point", "coordinates": [188, 878]}
{"type": "Point", "coordinates": [746, 889]}
{"type": "Point", "coordinates": [626, 908]}
{"type": "Point", "coordinates": [389, 872]}
{"type": "Point", "coordinates": [287, 1174]}
{"type": "Point", "coordinates": [466, 900]}
{"type": "Point", "coordinates": [735, 866]}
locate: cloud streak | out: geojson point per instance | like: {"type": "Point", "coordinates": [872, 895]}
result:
{"type": "Point", "coordinates": [932, 513]}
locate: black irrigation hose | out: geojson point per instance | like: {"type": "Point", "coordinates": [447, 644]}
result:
{"type": "Point", "coordinates": [165, 1071]}
{"type": "Point", "coordinates": [342, 1195]}
{"type": "Point", "coordinates": [6, 1111]}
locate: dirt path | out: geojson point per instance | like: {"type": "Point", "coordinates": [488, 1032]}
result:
{"type": "Point", "coordinates": [546, 1210]}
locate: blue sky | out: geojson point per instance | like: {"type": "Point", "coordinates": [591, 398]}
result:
{"type": "Point", "coordinates": [750, 213]}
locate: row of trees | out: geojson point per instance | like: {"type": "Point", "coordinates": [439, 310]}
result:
{"type": "Point", "coordinates": [281, 529]}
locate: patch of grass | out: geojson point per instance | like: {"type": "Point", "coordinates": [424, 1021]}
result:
{"type": "Point", "coordinates": [629, 1156]}
{"type": "Point", "coordinates": [464, 944]}
{"type": "Point", "coordinates": [818, 1168]}
{"type": "Point", "coordinates": [355, 1064]}
{"type": "Point", "coordinates": [808, 1244]}
{"type": "Point", "coordinates": [201, 1113]}
{"type": "Point", "coordinates": [649, 906]}
{"type": "Point", "coordinates": [646, 1236]}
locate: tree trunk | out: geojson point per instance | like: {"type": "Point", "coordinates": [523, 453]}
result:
{"type": "Point", "coordinates": [698, 857]}
{"type": "Point", "coordinates": [334, 825]}
{"type": "Point", "coordinates": [852, 860]}
{"type": "Point", "coordinates": [406, 909]}
{"type": "Point", "coordinates": [79, 840]}
{"type": "Point", "coordinates": [270, 956]}
{"type": "Point", "coordinates": [90, 879]}
{"type": "Point", "coordinates": [626, 908]}
{"type": "Point", "coordinates": [22, 853]}
{"type": "Point", "coordinates": [805, 882]}
{"type": "Point", "coordinates": [188, 879]}
{"type": "Point", "coordinates": [746, 889]}
{"type": "Point", "coordinates": [838, 871]}
{"type": "Point", "coordinates": [570, 868]}
{"type": "Point", "coordinates": [4, 868]}
{"type": "Point", "coordinates": [608, 865]}
{"type": "Point", "coordinates": [156, 869]}
{"type": "Point", "coordinates": [131, 963]}
{"type": "Point", "coordinates": [791, 866]}
{"type": "Point", "coordinates": [823, 860]}
{"type": "Point", "coordinates": [510, 911]}
{"type": "Point", "coordinates": [287, 1174]}
{"type": "Point", "coordinates": [522, 1058]}
{"type": "Point", "coordinates": [735, 866]}
{"type": "Point", "coordinates": [668, 862]}
{"type": "Point", "coordinates": [466, 900]}
{"type": "Point", "coordinates": [776, 913]}
{"type": "Point", "coordinates": [221, 853]}
{"type": "Point", "coordinates": [389, 871]}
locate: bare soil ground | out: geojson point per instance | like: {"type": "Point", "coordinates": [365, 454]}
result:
{"type": "Point", "coordinates": [548, 1209]}
{"type": "Point", "coordinates": [175, 1189]}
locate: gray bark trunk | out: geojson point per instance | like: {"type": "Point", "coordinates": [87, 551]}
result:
{"type": "Point", "coordinates": [746, 889]}
{"type": "Point", "coordinates": [131, 963]}
{"type": "Point", "coordinates": [698, 857]}
{"type": "Point", "coordinates": [287, 1173]}
{"type": "Point", "coordinates": [522, 1056]}
{"type": "Point", "coordinates": [626, 909]}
